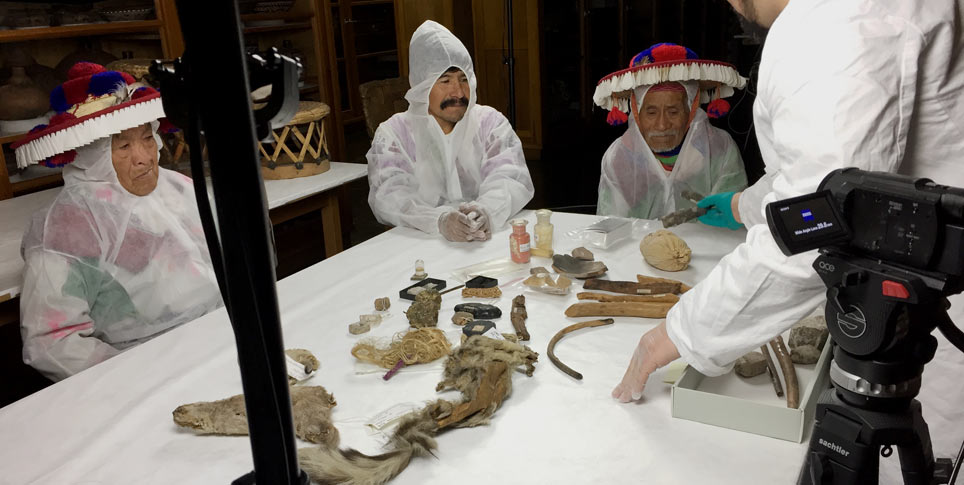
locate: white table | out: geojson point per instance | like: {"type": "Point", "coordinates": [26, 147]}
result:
{"type": "Point", "coordinates": [286, 199]}
{"type": "Point", "coordinates": [112, 423]}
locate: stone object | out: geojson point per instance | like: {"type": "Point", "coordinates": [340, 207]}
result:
{"type": "Point", "coordinates": [359, 328]}
{"type": "Point", "coordinates": [577, 268]}
{"type": "Point", "coordinates": [479, 311]}
{"type": "Point", "coordinates": [751, 365]}
{"type": "Point", "coordinates": [382, 304]}
{"type": "Point", "coordinates": [807, 338]}
{"type": "Point", "coordinates": [424, 312]}
{"type": "Point", "coordinates": [420, 273]}
{"type": "Point", "coordinates": [538, 270]}
{"type": "Point", "coordinates": [666, 251]}
{"type": "Point", "coordinates": [462, 318]}
{"type": "Point", "coordinates": [583, 254]}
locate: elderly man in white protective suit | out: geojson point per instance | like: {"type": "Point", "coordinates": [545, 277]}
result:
{"type": "Point", "coordinates": [875, 84]}
{"type": "Point", "coordinates": [670, 153]}
{"type": "Point", "coordinates": [119, 256]}
{"type": "Point", "coordinates": [447, 164]}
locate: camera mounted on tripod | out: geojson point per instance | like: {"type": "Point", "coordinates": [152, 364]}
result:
{"type": "Point", "coordinates": [891, 252]}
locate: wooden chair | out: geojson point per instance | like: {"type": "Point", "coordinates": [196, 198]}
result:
{"type": "Point", "coordinates": [381, 99]}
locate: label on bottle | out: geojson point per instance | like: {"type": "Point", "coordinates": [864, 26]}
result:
{"type": "Point", "coordinates": [524, 248]}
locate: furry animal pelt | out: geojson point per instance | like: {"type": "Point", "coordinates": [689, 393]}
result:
{"type": "Point", "coordinates": [305, 358]}
{"type": "Point", "coordinates": [480, 369]}
{"type": "Point", "coordinates": [311, 411]}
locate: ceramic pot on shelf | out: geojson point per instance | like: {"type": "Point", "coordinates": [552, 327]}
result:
{"type": "Point", "coordinates": [21, 98]}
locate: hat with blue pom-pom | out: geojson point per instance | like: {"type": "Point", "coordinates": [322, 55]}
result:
{"type": "Point", "coordinates": [665, 63]}
{"type": "Point", "coordinates": [92, 104]}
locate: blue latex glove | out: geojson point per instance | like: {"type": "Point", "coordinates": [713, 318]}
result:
{"type": "Point", "coordinates": [719, 211]}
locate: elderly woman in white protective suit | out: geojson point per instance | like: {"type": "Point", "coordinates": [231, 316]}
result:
{"type": "Point", "coordinates": [880, 88]}
{"type": "Point", "coordinates": [119, 256]}
{"type": "Point", "coordinates": [670, 153]}
{"type": "Point", "coordinates": [446, 165]}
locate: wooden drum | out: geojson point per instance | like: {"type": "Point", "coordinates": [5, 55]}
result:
{"type": "Point", "coordinates": [300, 148]}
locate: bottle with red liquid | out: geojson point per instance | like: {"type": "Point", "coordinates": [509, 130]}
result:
{"type": "Point", "coordinates": [519, 241]}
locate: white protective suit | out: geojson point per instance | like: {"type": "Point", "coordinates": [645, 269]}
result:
{"type": "Point", "coordinates": [634, 184]}
{"type": "Point", "coordinates": [876, 84]}
{"type": "Point", "coordinates": [106, 269]}
{"type": "Point", "coordinates": [416, 173]}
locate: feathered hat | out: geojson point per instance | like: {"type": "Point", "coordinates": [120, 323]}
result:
{"type": "Point", "coordinates": [92, 104]}
{"type": "Point", "coordinates": [665, 62]}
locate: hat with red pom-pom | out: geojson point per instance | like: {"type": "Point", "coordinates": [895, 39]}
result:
{"type": "Point", "coordinates": [92, 104]}
{"type": "Point", "coordinates": [665, 62]}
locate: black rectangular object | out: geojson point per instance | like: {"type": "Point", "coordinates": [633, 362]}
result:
{"type": "Point", "coordinates": [481, 282]}
{"type": "Point", "coordinates": [439, 286]}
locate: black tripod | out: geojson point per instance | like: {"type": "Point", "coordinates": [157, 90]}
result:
{"type": "Point", "coordinates": [881, 348]}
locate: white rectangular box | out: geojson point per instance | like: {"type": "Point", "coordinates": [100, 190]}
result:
{"type": "Point", "coordinates": [751, 405]}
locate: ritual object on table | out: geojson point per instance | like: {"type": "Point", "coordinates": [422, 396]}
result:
{"type": "Point", "coordinates": [583, 254]}
{"type": "Point", "coordinates": [666, 251]}
{"type": "Point", "coordinates": [479, 311]}
{"type": "Point", "coordinates": [807, 338]}
{"type": "Point", "coordinates": [424, 312]}
{"type": "Point", "coordinates": [409, 293]}
{"type": "Point", "coordinates": [543, 230]}
{"type": "Point", "coordinates": [788, 370]}
{"type": "Point", "coordinates": [543, 282]}
{"type": "Point", "coordinates": [420, 273]}
{"type": "Point", "coordinates": [382, 304]}
{"type": "Point", "coordinates": [772, 371]}
{"type": "Point", "coordinates": [603, 297]}
{"type": "Point", "coordinates": [301, 364]}
{"type": "Point", "coordinates": [462, 318]}
{"type": "Point", "coordinates": [364, 324]}
{"type": "Point", "coordinates": [633, 287]}
{"type": "Point", "coordinates": [577, 268]}
{"type": "Point", "coordinates": [481, 287]}
{"type": "Point", "coordinates": [620, 309]}
{"type": "Point", "coordinates": [481, 370]}
{"type": "Point", "coordinates": [477, 327]}
{"type": "Point", "coordinates": [310, 407]}
{"type": "Point", "coordinates": [416, 346]}
{"type": "Point", "coordinates": [558, 336]}
{"type": "Point", "coordinates": [750, 365]}
{"type": "Point", "coordinates": [683, 215]}
{"type": "Point", "coordinates": [519, 241]}
{"type": "Point", "coordinates": [300, 148]}
{"type": "Point", "coordinates": [518, 316]}
{"type": "Point", "coordinates": [651, 280]}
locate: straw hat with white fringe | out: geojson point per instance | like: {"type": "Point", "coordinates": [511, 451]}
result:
{"type": "Point", "coordinates": [665, 62]}
{"type": "Point", "coordinates": [92, 104]}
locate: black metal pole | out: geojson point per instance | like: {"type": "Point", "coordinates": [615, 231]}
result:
{"type": "Point", "coordinates": [218, 87]}
{"type": "Point", "coordinates": [510, 60]}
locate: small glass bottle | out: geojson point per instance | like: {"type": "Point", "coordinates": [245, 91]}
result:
{"type": "Point", "coordinates": [543, 231]}
{"type": "Point", "coordinates": [519, 241]}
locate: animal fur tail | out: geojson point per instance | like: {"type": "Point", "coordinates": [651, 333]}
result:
{"type": "Point", "coordinates": [414, 437]}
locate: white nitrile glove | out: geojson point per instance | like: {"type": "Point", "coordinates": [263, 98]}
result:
{"type": "Point", "coordinates": [479, 218]}
{"type": "Point", "coordinates": [655, 350]}
{"type": "Point", "coordinates": [457, 227]}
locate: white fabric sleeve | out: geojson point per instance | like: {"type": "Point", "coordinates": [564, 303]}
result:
{"type": "Point", "coordinates": [756, 292]}
{"type": "Point", "coordinates": [611, 200]}
{"type": "Point", "coordinates": [57, 329]}
{"type": "Point", "coordinates": [751, 201]}
{"type": "Point", "coordinates": [393, 188]}
{"type": "Point", "coordinates": [506, 184]}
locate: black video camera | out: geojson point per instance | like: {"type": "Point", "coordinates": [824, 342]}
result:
{"type": "Point", "coordinates": [891, 251]}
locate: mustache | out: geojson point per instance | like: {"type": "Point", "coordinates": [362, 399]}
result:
{"type": "Point", "coordinates": [463, 101]}
{"type": "Point", "coordinates": [662, 133]}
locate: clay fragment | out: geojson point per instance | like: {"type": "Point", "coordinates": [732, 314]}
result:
{"type": "Point", "coordinates": [583, 254]}
{"type": "Point", "coordinates": [577, 268]}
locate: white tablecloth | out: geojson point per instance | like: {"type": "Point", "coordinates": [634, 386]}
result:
{"type": "Point", "coordinates": [112, 423]}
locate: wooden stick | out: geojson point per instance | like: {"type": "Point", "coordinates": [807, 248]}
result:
{"type": "Point", "coordinates": [665, 297]}
{"type": "Point", "coordinates": [683, 287]}
{"type": "Point", "coordinates": [620, 309]}
{"type": "Point", "coordinates": [789, 372]}
{"type": "Point", "coordinates": [632, 287]}
{"type": "Point", "coordinates": [558, 336]}
{"type": "Point", "coordinates": [772, 371]}
{"type": "Point", "coordinates": [518, 317]}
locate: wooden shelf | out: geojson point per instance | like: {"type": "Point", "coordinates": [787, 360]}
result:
{"type": "Point", "coordinates": [278, 28]}
{"type": "Point", "coordinates": [367, 2]}
{"type": "Point", "coordinates": [376, 54]}
{"type": "Point", "coordinates": [24, 186]}
{"type": "Point", "coordinates": [290, 16]}
{"type": "Point", "coordinates": [87, 30]}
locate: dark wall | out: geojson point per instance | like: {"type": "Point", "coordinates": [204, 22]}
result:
{"type": "Point", "coordinates": [586, 39]}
